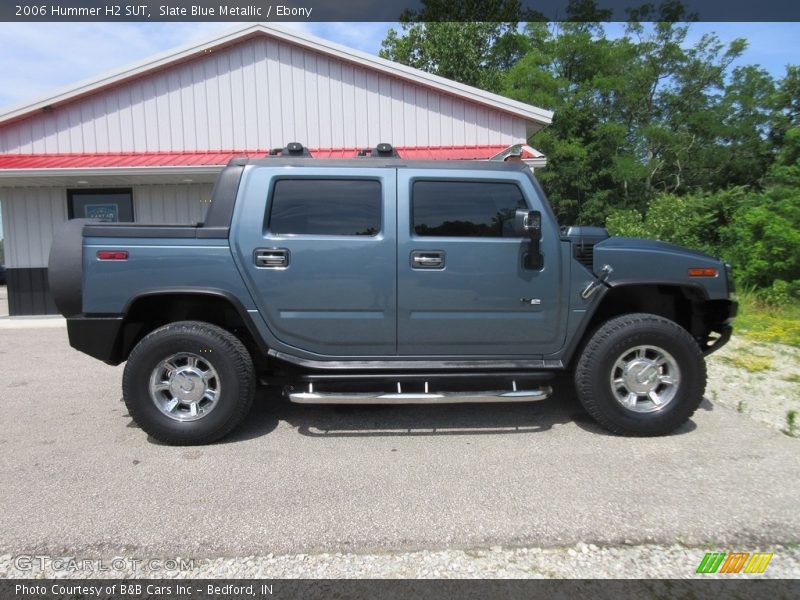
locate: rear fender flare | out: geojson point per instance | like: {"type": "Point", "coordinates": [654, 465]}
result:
{"type": "Point", "coordinates": [215, 293]}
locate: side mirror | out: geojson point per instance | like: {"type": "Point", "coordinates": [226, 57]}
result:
{"type": "Point", "coordinates": [528, 223]}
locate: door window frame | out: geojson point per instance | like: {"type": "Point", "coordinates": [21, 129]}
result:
{"type": "Point", "coordinates": [474, 180]}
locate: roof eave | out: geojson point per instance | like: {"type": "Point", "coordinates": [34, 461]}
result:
{"type": "Point", "coordinates": [110, 171]}
{"type": "Point", "coordinates": [540, 115]}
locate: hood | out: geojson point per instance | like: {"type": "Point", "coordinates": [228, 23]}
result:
{"type": "Point", "coordinates": [643, 245]}
{"type": "Point", "coordinates": [639, 261]}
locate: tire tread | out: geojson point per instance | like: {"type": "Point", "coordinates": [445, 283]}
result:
{"type": "Point", "coordinates": [592, 352]}
{"type": "Point", "coordinates": [236, 351]}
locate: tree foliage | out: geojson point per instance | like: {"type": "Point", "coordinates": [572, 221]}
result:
{"type": "Point", "coordinates": [654, 133]}
{"type": "Point", "coordinates": [756, 230]}
{"type": "Point", "coordinates": [477, 53]}
{"type": "Point", "coordinates": [642, 114]}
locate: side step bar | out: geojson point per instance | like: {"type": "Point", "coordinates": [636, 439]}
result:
{"type": "Point", "coordinates": [312, 397]}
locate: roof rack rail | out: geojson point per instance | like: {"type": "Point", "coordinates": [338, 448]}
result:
{"type": "Point", "coordinates": [382, 150]}
{"type": "Point", "coordinates": [291, 149]}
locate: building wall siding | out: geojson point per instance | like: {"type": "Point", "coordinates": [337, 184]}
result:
{"type": "Point", "coordinates": [258, 94]}
{"type": "Point", "coordinates": [31, 215]}
{"type": "Point", "coordinates": [171, 204]}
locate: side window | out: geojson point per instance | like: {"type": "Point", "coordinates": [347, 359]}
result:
{"type": "Point", "coordinates": [325, 207]}
{"type": "Point", "coordinates": [465, 208]}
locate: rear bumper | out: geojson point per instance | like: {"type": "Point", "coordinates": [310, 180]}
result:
{"type": "Point", "coordinates": [97, 336]}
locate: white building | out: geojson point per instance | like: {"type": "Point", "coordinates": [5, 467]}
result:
{"type": "Point", "coordinates": [146, 143]}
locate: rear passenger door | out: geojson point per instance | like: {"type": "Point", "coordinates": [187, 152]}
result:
{"type": "Point", "coordinates": [319, 250]}
{"type": "Point", "coordinates": [463, 289]}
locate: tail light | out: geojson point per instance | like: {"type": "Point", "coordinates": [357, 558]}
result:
{"type": "Point", "coordinates": [112, 255]}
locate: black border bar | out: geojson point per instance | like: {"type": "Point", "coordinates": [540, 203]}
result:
{"type": "Point", "coordinates": [394, 589]}
{"type": "Point", "coordinates": [381, 10]}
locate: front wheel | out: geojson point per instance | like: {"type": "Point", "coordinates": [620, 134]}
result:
{"type": "Point", "coordinates": [641, 374]}
{"type": "Point", "coordinates": [188, 383]}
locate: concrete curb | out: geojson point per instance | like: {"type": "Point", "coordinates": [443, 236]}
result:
{"type": "Point", "coordinates": [46, 322]}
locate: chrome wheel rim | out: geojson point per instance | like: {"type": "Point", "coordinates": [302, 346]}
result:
{"type": "Point", "coordinates": [185, 386]}
{"type": "Point", "coordinates": [645, 379]}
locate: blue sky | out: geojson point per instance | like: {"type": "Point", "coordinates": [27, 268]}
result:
{"type": "Point", "coordinates": [40, 57]}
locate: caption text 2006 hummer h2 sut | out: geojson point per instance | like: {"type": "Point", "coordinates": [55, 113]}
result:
{"type": "Point", "coordinates": [379, 280]}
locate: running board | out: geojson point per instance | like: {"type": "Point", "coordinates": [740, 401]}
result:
{"type": "Point", "coordinates": [423, 364]}
{"type": "Point", "coordinates": [312, 397]}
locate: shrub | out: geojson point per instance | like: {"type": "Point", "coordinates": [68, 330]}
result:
{"type": "Point", "coordinates": [759, 233]}
{"type": "Point", "coordinates": [626, 222]}
{"type": "Point", "coordinates": [780, 293]}
{"type": "Point", "coordinates": [763, 240]}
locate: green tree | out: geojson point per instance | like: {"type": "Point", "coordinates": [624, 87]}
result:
{"type": "Point", "coordinates": [445, 39]}
{"type": "Point", "coordinates": [763, 241]}
{"type": "Point", "coordinates": [785, 172]}
{"type": "Point", "coordinates": [635, 116]}
{"type": "Point", "coordinates": [786, 105]}
{"type": "Point", "coordinates": [743, 152]}
{"type": "Point", "coordinates": [652, 135]}
{"type": "Point", "coordinates": [699, 220]}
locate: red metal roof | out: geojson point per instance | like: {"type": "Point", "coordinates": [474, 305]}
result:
{"type": "Point", "coordinates": [219, 157]}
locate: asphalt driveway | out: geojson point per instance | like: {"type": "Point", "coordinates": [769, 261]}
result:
{"type": "Point", "coordinates": [79, 477]}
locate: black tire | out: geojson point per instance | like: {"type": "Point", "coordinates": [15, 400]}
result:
{"type": "Point", "coordinates": [599, 360]}
{"type": "Point", "coordinates": [234, 379]}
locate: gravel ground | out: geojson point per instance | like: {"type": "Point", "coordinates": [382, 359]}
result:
{"type": "Point", "coordinates": [757, 379]}
{"type": "Point", "coordinates": [580, 561]}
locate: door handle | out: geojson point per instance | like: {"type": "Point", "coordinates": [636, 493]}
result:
{"type": "Point", "coordinates": [427, 259]}
{"type": "Point", "coordinates": [271, 258]}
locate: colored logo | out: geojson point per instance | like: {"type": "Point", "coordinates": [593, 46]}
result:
{"type": "Point", "coordinates": [105, 212]}
{"type": "Point", "coordinates": [736, 562]}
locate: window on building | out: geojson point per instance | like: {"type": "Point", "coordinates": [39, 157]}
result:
{"type": "Point", "coordinates": [465, 208]}
{"type": "Point", "coordinates": [111, 206]}
{"type": "Point", "coordinates": [325, 207]}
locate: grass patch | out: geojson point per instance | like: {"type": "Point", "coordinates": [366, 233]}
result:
{"type": "Point", "coordinates": [791, 423]}
{"type": "Point", "coordinates": [793, 378]}
{"type": "Point", "coordinates": [766, 323]}
{"type": "Point", "coordinates": [753, 364]}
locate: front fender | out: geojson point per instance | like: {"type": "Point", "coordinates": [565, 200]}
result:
{"type": "Point", "coordinates": [638, 261]}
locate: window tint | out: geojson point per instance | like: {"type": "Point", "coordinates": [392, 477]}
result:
{"type": "Point", "coordinates": [326, 207]}
{"type": "Point", "coordinates": [465, 209]}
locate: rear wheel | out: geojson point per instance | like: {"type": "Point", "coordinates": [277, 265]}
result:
{"type": "Point", "coordinates": [641, 374]}
{"type": "Point", "coordinates": [188, 383]}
